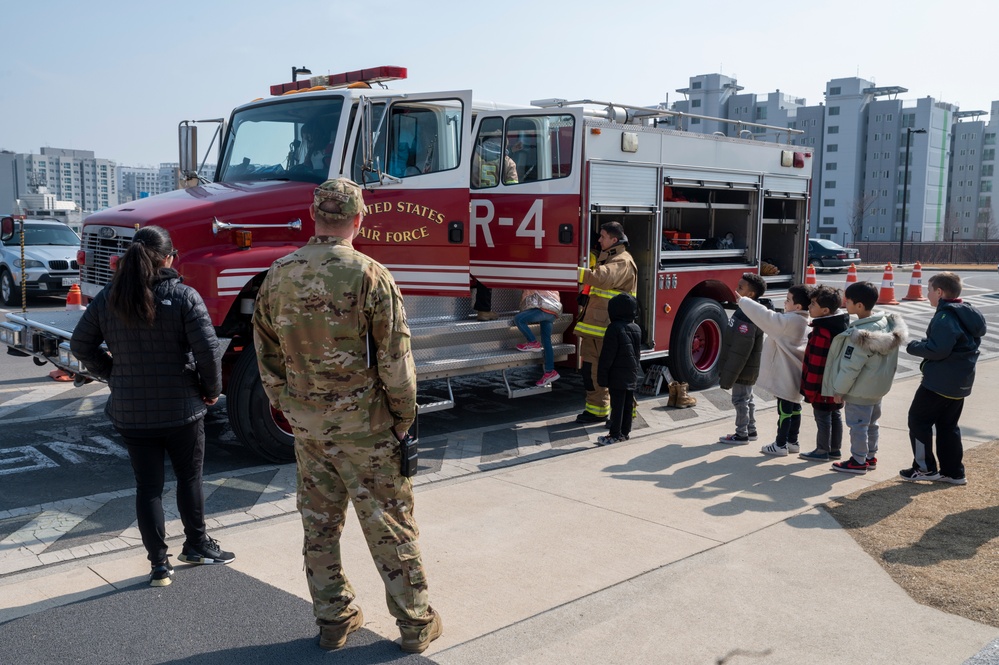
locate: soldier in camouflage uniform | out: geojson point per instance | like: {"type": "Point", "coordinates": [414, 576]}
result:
{"type": "Point", "coordinates": [614, 273]}
{"type": "Point", "coordinates": [333, 347]}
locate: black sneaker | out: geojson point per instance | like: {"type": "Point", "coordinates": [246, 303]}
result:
{"type": "Point", "coordinates": [161, 574]}
{"type": "Point", "coordinates": [587, 417]}
{"type": "Point", "coordinates": [915, 474]}
{"type": "Point", "coordinates": [208, 552]}
{"type": "Point", "coordinates": [752, 435]}
{"type": "Point", "coordinates": [849, 465]}
{"type": "Point", "coordinates": [835, 454]}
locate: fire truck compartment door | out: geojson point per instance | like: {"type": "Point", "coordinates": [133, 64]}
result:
{"type": "Point", "coordinates": [631, 187]}
{"type": "Point", "coordinates": [416, 212]}
{"type": "Point", "coordinates": [525, 202]}
{"type": "Point", "coordinates": [785, 186]}
{"type": "Point", "coordinates": [681, 177]}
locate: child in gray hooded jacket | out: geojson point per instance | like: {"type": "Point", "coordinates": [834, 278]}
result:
{"type": "Point", "coordinates": [860, 369]}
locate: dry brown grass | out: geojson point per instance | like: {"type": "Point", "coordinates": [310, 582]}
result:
{"type": "Point", "coordinates": [938, 542]}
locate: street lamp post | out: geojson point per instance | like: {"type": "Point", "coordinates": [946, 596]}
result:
{"type": "Point", "coordinates": [953, 232]}
{"type": "Point", "coordinates": [909, 131]}
{"type": "Point", "coordinates": [295, 71]}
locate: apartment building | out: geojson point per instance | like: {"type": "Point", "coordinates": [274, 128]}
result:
{"type": "Point", "coordinates": [859, 136]}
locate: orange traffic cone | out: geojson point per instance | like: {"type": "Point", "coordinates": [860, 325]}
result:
{"type": "Point", "coordinates": [887, 294]}
{"type": "Point", "coordinates": [810, 275]}
{"type": "Point", "coordinates": [74, 299]}
{"type": "Point", "coordinates": [851, 274]}
{"type": "Point", "coordinates": [915, 284]}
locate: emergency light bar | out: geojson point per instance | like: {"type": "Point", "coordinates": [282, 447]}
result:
{"type": "Point", "coordinates": [371, 75]}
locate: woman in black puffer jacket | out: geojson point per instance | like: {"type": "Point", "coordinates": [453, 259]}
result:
{"type": "Point", "coordinates": [162, 366]}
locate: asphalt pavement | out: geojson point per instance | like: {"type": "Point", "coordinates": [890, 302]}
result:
{"type": "Point", "coordinates": [668, 548]}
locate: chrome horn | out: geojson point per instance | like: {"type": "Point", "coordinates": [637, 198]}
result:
{"type": "Point", "coordinates": [219, 225]}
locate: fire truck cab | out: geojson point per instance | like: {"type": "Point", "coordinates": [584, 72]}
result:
{"type": "Point", "coordinates": [461, 193]}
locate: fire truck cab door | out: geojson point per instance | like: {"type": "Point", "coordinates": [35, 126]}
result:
{"type": "Point", "coordinates": [525, 198]}
{"type": "Point", "coordinates": [416, 188]}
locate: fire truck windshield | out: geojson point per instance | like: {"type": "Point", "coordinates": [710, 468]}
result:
{"type": "Point", "coordinates": [286, 140]}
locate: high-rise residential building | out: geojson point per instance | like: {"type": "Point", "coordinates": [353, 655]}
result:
{"type": "Point", "coordinates": [858, 137]}
{"type": "Point", "coordinates": [987, 227]}
{"type": "Point", "coordinates": [972, 180]}
{"type": "Point", "coordinates": [70, 175]}
{"type": "Point", "coordinates": [965, 180]}
{"type": "Point", "coordinates": [136, 182]}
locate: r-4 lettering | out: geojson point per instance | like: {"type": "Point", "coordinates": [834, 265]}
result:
{"type": "Point", "coordinates": [531, 226]}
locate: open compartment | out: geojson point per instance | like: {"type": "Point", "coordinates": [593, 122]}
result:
{"type": "Point", "coordinates": [782, 243]}
{"type": "Point", "coordinates": [708, 225]}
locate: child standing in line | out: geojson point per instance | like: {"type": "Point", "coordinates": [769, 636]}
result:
{"type": "Point", "coordinates": [541, 307]}
{"type": "Point", "coordinates": [949, 352]}
{"type": "Point", "coordinates": [619, 368]}
{"type": "Point", "coordinates": [741, 362]}
{"type": "Point", "coordinates": [827, 322]}
{"type": "Point", "coordinates": [781, 361]}
{"type": "Point", "coordinates": [860, 370]}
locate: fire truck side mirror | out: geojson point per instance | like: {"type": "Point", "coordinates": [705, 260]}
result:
{"type": "Point", "coordinates": [6, 229]}
{"type": "Point", "coordinates": [455, 233]}
{"type": "Point", "coordinates": [188, 135]}
{"type": "Point", "coordinates": [367, 135]}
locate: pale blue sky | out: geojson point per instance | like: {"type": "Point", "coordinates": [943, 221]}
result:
{"type": "Point", "coordinates": [116, 77]}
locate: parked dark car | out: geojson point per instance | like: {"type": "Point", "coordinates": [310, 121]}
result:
{"type": "Point", "coordinates": [828, 255]}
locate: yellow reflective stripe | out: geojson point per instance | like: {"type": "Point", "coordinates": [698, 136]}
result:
{"type": "Point", "coordinates": [590, 329]}
{"type": "Point", "coordinates": [602, 411]}
{"type": "Point", "coordinates": [607, 293]}
{"type": "Point", "coordinates": [582, 272]}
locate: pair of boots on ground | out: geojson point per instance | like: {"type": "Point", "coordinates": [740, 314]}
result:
{"type": "Point", "coordinates": [678, 396]}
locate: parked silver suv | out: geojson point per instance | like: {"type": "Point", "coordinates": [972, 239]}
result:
{"type": "Point", "coordinates": [49, 258]}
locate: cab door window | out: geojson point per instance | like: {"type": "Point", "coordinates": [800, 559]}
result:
{"type": "Point", "coordinates": [416, 139]}
{"type": "Point", "coordinates": [522, 149]}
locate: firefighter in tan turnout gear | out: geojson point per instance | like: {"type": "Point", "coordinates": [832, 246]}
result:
{"type": "Point", "coordinates": [333, 347]}
{"type": "Point", "coordinates": [615, 272]}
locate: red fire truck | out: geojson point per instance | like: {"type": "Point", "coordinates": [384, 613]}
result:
{"type": "Point", "coordinates": [699, 210]}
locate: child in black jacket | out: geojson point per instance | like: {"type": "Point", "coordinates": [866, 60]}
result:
{"type": "Point", "coordinates": [949, 352]}
{"type": "Point", "coordinates": [740, 364]}
{"type": "Point", "coordinates": [619, 368]}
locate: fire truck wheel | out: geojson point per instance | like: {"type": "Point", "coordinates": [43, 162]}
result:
{"type": "Point", "coordinates": [8, 290]}
{"type": "Point", "coordinates": [255, 423]}
{"type": "Point", "coordinates": [695, 345]}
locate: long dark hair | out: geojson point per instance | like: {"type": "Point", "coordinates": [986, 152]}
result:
{"type": "Point", "coordinates": [131, 293]}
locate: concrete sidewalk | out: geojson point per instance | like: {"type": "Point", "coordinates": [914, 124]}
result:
{"type": "Point", "coordinates": [670, 548]}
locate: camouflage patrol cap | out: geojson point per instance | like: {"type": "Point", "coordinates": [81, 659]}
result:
{"type": "Point", "coordinates": [342, 198]}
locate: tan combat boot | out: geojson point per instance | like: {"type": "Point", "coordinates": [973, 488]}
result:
{"type": "Point", "coordinates": [335, 636]}
{"type": "Point", "coordinates": [683, 400]}
{"type": "Point", "coordinates": [672, 393]}
{"type": "Point", "coordinates": [416, 639]}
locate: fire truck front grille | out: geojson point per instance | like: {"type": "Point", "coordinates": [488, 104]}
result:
{"type": "Point", "coordinates": [62, 265]}
{"type": "Point", "coordinates": [99, 251]}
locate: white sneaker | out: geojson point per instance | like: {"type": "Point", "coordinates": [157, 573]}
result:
{"type": "Point", "coordinates": [793, 447]}
{"type": "Point", "coordinates": [774, 449]}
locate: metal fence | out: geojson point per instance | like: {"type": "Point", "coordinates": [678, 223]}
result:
{"type": "Point", "coordinates": [983, 252]}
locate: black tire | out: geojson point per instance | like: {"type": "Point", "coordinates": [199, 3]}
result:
{"type": "Point", "coordinates": [9, 293]}
{"type": "Point", "coordinates": [253, 421]}
{"type": "Point", "coordinates": [817, 264]}
{"type": "Point", "coordinates": [695, 345]}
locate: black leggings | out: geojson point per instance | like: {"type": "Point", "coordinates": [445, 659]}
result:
{"type": "Point", "coordinates": [622, 406]}
{"type": "Point", "coordinates": [186, 447]}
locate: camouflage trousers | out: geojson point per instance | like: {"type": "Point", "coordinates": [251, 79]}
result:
{"type": "Point", "coordinates": [362, 469]}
